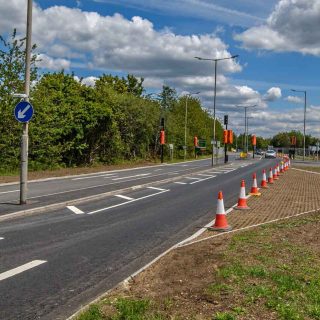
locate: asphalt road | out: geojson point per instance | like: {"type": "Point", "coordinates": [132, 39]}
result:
{"type": "Point", "coordinates": [52, 263]}
{"type": "Point", "coordinates": [53, 190]}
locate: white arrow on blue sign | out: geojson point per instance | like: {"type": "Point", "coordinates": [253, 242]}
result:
{"type": "Point", "coordinates": [23, 111]}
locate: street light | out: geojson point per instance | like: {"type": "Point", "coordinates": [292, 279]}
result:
{"type": "Point", "coordinates": [304, 120]}
{"type": "Point", "coordinates": [185, 122]}
{"type": "Point", "coordinates": [215, 94]}
{"type": "Point", "coordinates": [246, 125]}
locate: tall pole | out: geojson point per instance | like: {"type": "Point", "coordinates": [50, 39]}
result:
{"type": "Point", "coordinates": [214, 144]}
{"type": "Point", "coordinates": [304, 125]}
{"type": "Point", "coordinates": [245, 130]}
{"type": "Point", "coordinates": [185, 129]}
{"type": "Point", "coordinates": [25, 138]}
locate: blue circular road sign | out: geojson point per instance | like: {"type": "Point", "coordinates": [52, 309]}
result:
{"type": "Point", "coordinates": [23, 111]}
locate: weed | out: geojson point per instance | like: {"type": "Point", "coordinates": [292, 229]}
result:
{"type": "Point", "coordinates": [224, 316]}
{"type": "Point", "coordinates": [93, 313]}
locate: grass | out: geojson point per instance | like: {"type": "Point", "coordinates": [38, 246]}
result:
{"type": "Point", "coordinates": [268, 271]}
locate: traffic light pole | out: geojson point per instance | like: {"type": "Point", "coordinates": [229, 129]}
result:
{"type": "Point", "coordinates": [226, 148]}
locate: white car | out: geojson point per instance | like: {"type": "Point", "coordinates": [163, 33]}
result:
{"type": "Point", "coordinates": [270, 154]}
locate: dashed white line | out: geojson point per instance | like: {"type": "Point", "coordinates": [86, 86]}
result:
{"type": "Point", "coordinates": [201, 180]}
{"type": "Point", "coordinates": [9, 191]}
{"type": "Point", "coordinates": [191, 178]}
{"type": "Point", "coordinates": [160, 189]}
{"type": "Point", "coordinates": [177, 182]}
{"type": "Point", "coordinates": [1, 238]}
{"type": "Point", "coordinates": [137, 175]}
{"type": "Point", "coordinates": [123, 197]}
{"type": "Point", "coordinates": [20, 269]}
{"type": "Point", "coordinates": [75, 210]}
{"type": "Point", "coordinates": [205, 175]}
{"type": "Point", "coordinates": [97, 176]}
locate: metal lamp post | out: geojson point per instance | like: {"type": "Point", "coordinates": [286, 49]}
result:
{"type": "Point", "coordinates": [185, 123]}
{"type": "Point", "coordinates": [304, 120]}
{"type": "Point", "coordinates": [215, 95]}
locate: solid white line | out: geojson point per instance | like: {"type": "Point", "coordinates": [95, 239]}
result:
{"type": "Point", "coordinates": [177, 182]}
{"type": "Point", "coordinates": [75, 210]}
{"type": "Point", "coordinates": [130, 201]}
{"type": "Point", "coordinates": [202, 180]}
{"type": "Point", "coordinates": [1, 238]}
{"type": "Point", "coordinates": [96, 176]}
{"type": "Point", "coordinates": [20, 269]}
{"type": "Point", "coordinates": [123, 197]}
{"type": "Point", "coordinates": [191, 178]}
{"type": "Point", "coordinates": [160, 189]}
{"type": "Point", "coordinates": [205, 175]}
{"type": "Point", "coordinates": [9, 191]}
{"type": "Point", "coordinates": [137, 175]}
{"type": "Point", "coordinates": [306, 171]}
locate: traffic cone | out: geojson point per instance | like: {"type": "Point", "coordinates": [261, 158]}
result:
{"type": "Point", "coordinates": [270, 179]}
{"type": "Point", "coordinates": [278, 170]}
{"type": "Point", "coordinates": [264, 180]}
{"type": "Point", "coordinates": [285, 166]}
{"type": "Point", "coordinates": [281, 167]}
{"type": "Point", "coordinates": [242, 201]}
{"type": "Point", "coordinates": [221, 223]}
{"type": "Point", "coordinates": [254, 189]}
{"type": "Point", "coordinates": [275, 177]}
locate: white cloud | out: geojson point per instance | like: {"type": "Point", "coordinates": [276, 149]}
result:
{"type": "Point", "coordinates": [272, 94]}
{"type": "Point", "coordinates": [292, 26]}
{"type": "Point", "coordinates": [44, 61]}
{"type": "Point", "coordinates": [294, 99]}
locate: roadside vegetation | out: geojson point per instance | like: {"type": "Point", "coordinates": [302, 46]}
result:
{"type": "Point", "coordinates": [272, 272]}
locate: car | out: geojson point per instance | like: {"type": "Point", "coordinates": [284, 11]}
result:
{"type": "Point", "coordinates": [259, 152]}
{"type": "Point", "coordinates": [270, 154]}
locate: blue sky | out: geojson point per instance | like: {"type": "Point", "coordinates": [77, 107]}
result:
{"type": "Point", "coordinates": [277, 42]}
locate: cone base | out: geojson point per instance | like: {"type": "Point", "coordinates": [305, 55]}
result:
{"type": "Point", "coordinates": [257, 194]}
{"type": "Point", "coordinates": [224, 229]}
{"type": "Point", "coordinates": [241, 208]}
{"type": "Point", "coordinates": [265, 187]}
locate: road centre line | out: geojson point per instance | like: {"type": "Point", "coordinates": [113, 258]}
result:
{"type": "Point", "coordinates": [9, 191]}
{"type": "Point", "coordinates": [20, 269]}
{"type": "Point", "coordinates": [155, 188]}
{"type": "Point", "coordinates": [123, 197]}
{"type": "Point", "coordinates": [202, 180]}
{"type": "Point", "coordinates": [96, 176]}
{"type": "Point", "coordinates": [137, 175]}
{"type": "Point", "coordinates": [75, 210]}
{"type": "Point", "coordinates": [130, 201]}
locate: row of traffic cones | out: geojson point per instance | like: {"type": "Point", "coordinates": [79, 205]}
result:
{"type": "Point", "coordinates": [221, 223]}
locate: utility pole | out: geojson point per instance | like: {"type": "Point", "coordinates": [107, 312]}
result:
{"type": "Point", "coordinates": [25, 137]}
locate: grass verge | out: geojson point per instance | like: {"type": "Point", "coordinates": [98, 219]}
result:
{"type": "Point", "coordinates": [272, 272]}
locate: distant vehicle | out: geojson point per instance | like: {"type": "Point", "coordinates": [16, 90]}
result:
{"type": "Point", "coordinates": [259, 152]}
{"type": "Point", "coordinates": [270, 154]}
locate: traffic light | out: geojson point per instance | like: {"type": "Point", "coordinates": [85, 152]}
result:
{"type": "Point", "coordinates": [225, 119]}
{"type": "Point", "coordinates": [162, 137]}
{"type": "Point", "coordinates": [230, 136]}
{"type": "Point", "coordinates": [254, 140]}
{"type": "Point", "coordinates": [195, 141]}
{"type": "Point", "coordinates": [162, 123]}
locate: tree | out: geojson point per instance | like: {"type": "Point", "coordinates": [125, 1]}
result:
{"type": "Point", "coordinates": [12, 71]}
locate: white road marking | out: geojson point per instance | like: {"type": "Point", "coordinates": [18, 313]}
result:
{"type": "Point", "coordinates": [177, 182]}
{"type": "Point", "coordinates": [123, 197]}
{"type": "Point", "coordinates": [205, 175]}
{"type": "Point", "coordinates": [130, 201]}
{"type": "Point", "coordinates": [1, 238]}
{"type": "Point", "coordinates": [160, 189]}
{"type": "Point", "coordinates": [97, 176]}
{"type": "Point", "coordinates": [201, 180]}
{"type": "Point", "coordinates": [20, 269]}
{"type": "Point", "coordinates": [137, 175]}
{"type": "Point", "coordinates": [9, 191]}
{"type": "Point", "coordinates": [191, 178]}
{"type": "Point", "coordinates": [75, 210]}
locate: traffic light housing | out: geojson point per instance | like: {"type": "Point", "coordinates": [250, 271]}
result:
{"type": "Point", "coordinates": [230, 136]}
{"type": "Point", "coordinates": [293, 140]}
{"type": "Point", "coordinates": [225, 136]}
{"type": "Point", "coordinates": [254, 140]}
{"type": "Point", "coordinates": [195, 141]}
{"type": "Point", "coordinates": [162, 137]}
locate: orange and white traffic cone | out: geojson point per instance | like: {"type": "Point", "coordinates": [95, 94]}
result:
{"type": "Point", "coordinates": [264, 183]}
{"type": "Point", "coordinates": [275, 177]}
{"type": "Point", "coordinates": [281, 167]}
{"type": "Point", "coordinates": [221, 223]}
{"type": "Point", "coordinates": [242, 201]}
{"type": "Point", "coordinates": [278, 170]}
{"type": "Point", "coordinates": [270, 179]}
{"type": "Point", "coordinates": [254, 189]}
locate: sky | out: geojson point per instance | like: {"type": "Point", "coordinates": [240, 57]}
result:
{"type": "Point", "coordinates": [277, 41]}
